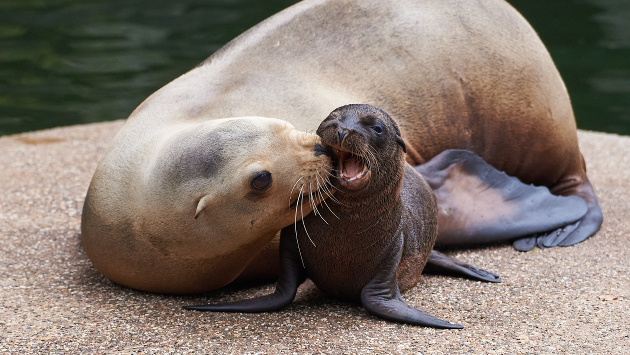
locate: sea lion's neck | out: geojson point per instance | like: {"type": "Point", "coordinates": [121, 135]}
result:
{"type": "Point", "coordinates": [373, 209]}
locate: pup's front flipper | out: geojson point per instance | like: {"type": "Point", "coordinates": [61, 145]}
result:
{"type": "Point", "coordinates": [440, 262]}
{"type": "Point", "coordinates": [291, 277]}
{"type": "Point", "coordinates": [479, 204]}
{"type": "Point", "coordinates": [381, 298]}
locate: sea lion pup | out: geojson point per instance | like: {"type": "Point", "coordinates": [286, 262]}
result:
{"type": "Point", "coordinates": [372, 242]}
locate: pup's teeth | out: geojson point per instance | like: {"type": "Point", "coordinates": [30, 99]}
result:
{"type": "Point", "coordinates": [352, 168]}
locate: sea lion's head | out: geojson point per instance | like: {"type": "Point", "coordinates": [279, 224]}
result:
{"type": "Point", "coordinates": [203, 198]}
{"type": "Point", "coordinates": [242, 175]}
{"type": "Point", "coordinates": [362, 141]}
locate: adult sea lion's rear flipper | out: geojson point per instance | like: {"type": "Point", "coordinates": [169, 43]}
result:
{"type": "Point", "coordinates": [440, 262]}
{"type": "Point", "coordinates": [292, 276]}
{"type": "Point", "coordinates": [479, 204]}
{"type": "Point", "coordinates": [573, 233]}
{"type": "Point", "coordinates": [381, 298]}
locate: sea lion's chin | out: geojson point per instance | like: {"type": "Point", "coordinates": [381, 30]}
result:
{"type": "Point", "coordinates": [355, 183]}
{"type": "Point", "coordinates": [352, 172]}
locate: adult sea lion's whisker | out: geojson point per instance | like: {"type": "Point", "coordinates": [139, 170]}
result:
{"type": "Point", "coordinates": [321, 197]}
{"type": "Point", "coordinates": [331, 169]}
{"type": "Point", "coordinates": [291, 194]}
{"type": "Point", "coordinates": [326, 187]}
{"type": "Point", "coordinates": [302, 212]}
{"type": "Point", "coordinates": [333, 198]}
{"type": "Point", "coordinates": [311, 200]}
{"type": "Point", "coordinates": [324, 201]}
{"type": "Point", "coordinates": [296, 235]}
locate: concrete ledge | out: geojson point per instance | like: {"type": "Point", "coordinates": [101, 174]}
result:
{"type": "Point", "coordinates": [573, 300]}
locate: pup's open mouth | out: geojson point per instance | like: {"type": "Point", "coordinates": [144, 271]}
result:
{"type": "Point", "coordinates": [352, 171]}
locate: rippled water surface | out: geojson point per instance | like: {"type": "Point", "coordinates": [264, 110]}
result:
{"type": "Point", "coordinates": [68, 62]}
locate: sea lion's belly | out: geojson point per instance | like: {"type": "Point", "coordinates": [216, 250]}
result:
{"type": "Point", "coordinates": [342, 278]}
{"type": "Point", "coordinates": [341, 263]}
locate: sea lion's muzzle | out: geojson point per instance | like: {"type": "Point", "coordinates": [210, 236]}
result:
{"type": "Point", "coordinates": [352, 171]}
{"type": "Point", "coordinates": [346, 145]}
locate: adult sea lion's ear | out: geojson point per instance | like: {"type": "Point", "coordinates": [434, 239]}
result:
{"type": "Point", "coordinates": [401, 142]}
{"type": "Point", "coordinates": [205, 202]}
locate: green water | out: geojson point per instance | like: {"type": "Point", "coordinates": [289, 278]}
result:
{"type": "Point", "coordinates": [68, 62]}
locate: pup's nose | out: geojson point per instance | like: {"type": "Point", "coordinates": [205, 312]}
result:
{"type": "Point", "coordinates": [341, 133]}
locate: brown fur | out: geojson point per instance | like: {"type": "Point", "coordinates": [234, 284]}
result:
{"type": "Point", "coordinates": [455, 74]}
{"type": "Point", "coordinates": [394, 209]}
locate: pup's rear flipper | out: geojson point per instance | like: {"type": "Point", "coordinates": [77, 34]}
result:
{"type": "Point", "coordinates": [439, 262]}
{"type": "Point", "coordinates": [479, 204]}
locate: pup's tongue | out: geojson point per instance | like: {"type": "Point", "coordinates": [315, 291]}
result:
{"type": "Point", "coordinates": [351, 168]}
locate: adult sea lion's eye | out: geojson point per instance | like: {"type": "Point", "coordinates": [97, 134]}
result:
{"type": "Point", "coordinates": [261, 181]}
{"type": "Point", "coordinates": [377, 129]}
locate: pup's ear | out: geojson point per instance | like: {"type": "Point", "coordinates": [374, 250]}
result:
{"type": "Point", "coordinates": [401, 143]}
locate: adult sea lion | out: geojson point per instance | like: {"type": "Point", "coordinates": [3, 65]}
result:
{"type": "Point", "coordinates": [243, 189]}
{"type": "Point", "coordinates": [372, 242]}
{"type": "Point", "coordinates": [453, 74]}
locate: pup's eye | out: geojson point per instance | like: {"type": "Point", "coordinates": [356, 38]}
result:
{"type": "Point", "coordinates": [261, 181]}
{"type": "Point", "coordinates": [377, 129]}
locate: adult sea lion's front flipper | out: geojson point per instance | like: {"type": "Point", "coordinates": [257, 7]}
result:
{"type": "Point", "coordinates": [440, 262]}
{"type": "Point", "coordinates": [381, 297]}
{"type": "Point", "coordinates": [479, 204]}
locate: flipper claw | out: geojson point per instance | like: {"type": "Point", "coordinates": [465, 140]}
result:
{"type": "Point", "coordinates": [526, 243]}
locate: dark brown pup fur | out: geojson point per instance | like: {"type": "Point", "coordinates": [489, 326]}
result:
{"type": "Point", "coordinates": [394, 203]}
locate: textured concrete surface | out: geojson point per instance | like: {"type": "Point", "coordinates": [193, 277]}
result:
{"type": "Point", "coordinates": [573, 300]}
